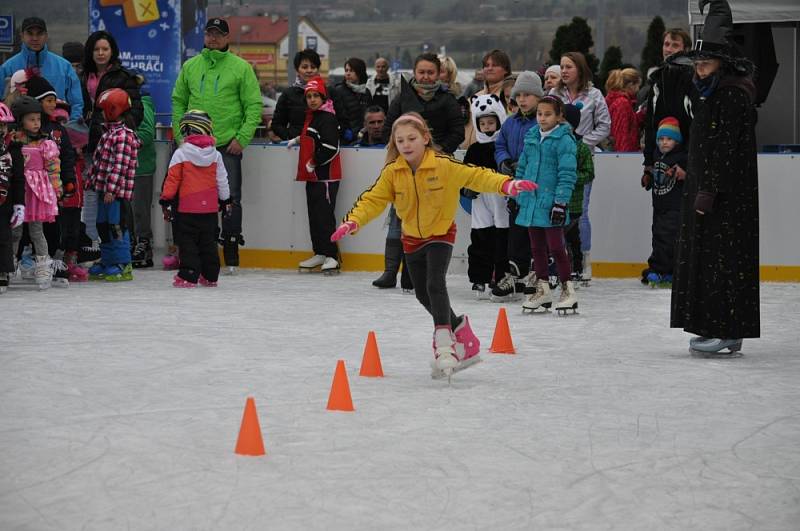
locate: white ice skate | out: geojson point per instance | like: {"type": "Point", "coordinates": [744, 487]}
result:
{"type": "Point", "coordinates": [586, 277]}
{"type": "Point", "coordinates": [330, 266]}
{"type": "Point", "coordinates": [712, 348]}
{"type": "Point", "coordinates": [312, 264]}
{"type": "Point", "coordinates": [43, 272]}
{"type": "Point", "coordinates": [444, 351]}
{"type": "Point", "coordinates": [540, 300]}
{"type": "Point", "coordinates": [568, 299]}
{"type": "Point", "coordinates": [230, 270]}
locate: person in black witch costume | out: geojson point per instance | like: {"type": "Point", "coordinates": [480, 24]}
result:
{"type": "Point", "coordinates": [715, 293]}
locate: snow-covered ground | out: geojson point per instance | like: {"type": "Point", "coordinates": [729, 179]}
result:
{"type": "Point", "coordinates": [120, 406]}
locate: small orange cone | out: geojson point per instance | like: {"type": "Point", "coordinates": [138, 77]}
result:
{"type": "Point", "coordinates": [250, 441]}
{"type": "Point", "coordinates": [501, 342]}
{"type": "Point", "coordinates": [371, 362]}
{"type": "Point", "coordinates": [339, 399]}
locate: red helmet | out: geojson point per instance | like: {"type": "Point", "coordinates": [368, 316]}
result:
{"type": "Point", "coordinates": [5, 114]}
{"type": "Point", "coordinates": [113, 102]}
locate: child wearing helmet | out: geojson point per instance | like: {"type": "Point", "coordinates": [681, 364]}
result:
{"type": "Point", "coordinates": [42, 182]}
{"type": "Point", "coordinates": [198, 179]}
{"type": "Point", "coordinates": [12, 195]}
{"type": "Point", "coordinates": [111, 178]}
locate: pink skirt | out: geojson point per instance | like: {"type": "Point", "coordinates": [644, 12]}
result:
{"type": "Point", "coordinates": [41, 203]}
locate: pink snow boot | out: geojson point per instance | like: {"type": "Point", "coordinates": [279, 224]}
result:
{"type": "Point", "coordinates": [170, 262]}
{"type": "Point", "coordinates": [179, 282]}
{"type": "Point", "coordinates": [207, 283]}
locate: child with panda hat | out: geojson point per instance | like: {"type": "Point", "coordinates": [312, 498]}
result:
{"type": "Point", "coordinates": [488, 250]}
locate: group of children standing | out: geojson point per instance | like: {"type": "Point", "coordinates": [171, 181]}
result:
{"type": "Point", "coordinates": [42, 190]}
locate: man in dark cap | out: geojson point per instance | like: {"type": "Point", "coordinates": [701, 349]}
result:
{"type": "Point", "coordinates": [234, 106]}
{"type": "Point", "coordinates": [57, 70]}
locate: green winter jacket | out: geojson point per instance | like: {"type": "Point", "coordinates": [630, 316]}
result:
{"type": "Point", "coordinates": [147, 136]}
{"type": "Point", "coordinates": [585, 175]}
{"type": "Point", "coordinates": [223, 85]}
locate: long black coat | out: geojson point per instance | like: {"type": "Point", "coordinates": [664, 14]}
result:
{"type": "Point", "coordinates": [442, 113]}
{"type": "Point", "coordinates": [715, 292]}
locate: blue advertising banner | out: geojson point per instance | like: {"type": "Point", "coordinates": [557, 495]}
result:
{"type": "Point", "coordinates": [148, 33]}
{"type": "Point", "coordinates": [6, 30]}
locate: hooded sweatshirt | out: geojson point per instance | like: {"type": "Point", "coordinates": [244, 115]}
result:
{"type": "Point", "coordinates": [197, 176]}
{"type": "Point", "coordinates": [54, 68]}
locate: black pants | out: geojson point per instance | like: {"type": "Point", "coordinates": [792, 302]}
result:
{"type": "Point", "coordinates": [572, 233]}
{"type": "Point", "coordinates": [519, 243]}
{"type": "Point", "coordinates": [666, 225]}
{"type": "Point", "coordinates": [197, 245]}
{"type": "Point", "coordinates": [488, 255]}
{"type": "Point", "coordinates": [428, 270]}
{"type": "Point", "coordinates": [65, 233]}
{"type": "Point", "coordinates": [6, 252]}
{"type": "Point", "coordinates": [321, 201]}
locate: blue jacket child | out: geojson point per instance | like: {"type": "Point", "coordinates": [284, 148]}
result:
{"type": "Point", "coordinates": [550, 162]}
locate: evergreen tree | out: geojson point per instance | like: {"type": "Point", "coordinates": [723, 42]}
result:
{"type": "Point", "coordinates": [612, 60]}
{"type": "Point", "coordinates": [651, 53]}
{"type": "Point", "coordinates": [574, 37]}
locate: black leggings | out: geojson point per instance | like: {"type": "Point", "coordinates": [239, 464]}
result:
{"type": "Point", "coordinates": [428, 270]}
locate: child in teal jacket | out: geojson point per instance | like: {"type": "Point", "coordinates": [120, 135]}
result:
{"type": "Point", "coordinates": [549, 158]}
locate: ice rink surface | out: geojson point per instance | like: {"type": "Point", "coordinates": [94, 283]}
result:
{"type": "Point", "coordinates": [121, 405]}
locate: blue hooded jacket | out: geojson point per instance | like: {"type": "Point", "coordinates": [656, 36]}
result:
{"type": "Point", "coordinates": [55, 69]}
{"type": "Point", "coordinates": [508, 145]}
{"type": "Point", "coordinates": [552, 164]}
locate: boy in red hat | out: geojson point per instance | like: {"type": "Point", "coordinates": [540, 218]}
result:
{"type": "Point", "coordinates": [319, 166]}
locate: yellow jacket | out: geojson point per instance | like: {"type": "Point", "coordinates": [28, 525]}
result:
{"type": "Point", "coordinates": [426, 202]}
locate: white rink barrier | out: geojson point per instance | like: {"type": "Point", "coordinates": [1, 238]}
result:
{"type": "Point", "coordinates": [276, 223]}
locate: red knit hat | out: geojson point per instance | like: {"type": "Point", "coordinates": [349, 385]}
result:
{"type": "Point", "coordinates": [316, 84]}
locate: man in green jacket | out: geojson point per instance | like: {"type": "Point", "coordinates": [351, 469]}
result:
{"type": "Point", "coordinates": [225, 86]}
{"type": "Point", "coordinates": [142, 254]}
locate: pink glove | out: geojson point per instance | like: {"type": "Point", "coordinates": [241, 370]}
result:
{"type": "Point", "coordinates": [344, 229]}
{"type": "Point", "coordinates": [513, 187]}
{"type": "Point", "coordinates": [18, 217]}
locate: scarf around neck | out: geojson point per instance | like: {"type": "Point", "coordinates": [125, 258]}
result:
{"type": "Point", "coordinates": [299, 82]}
{"type": "Point", "coordinates": [426, 91]}
{"type": "Point", "coordinates": [707, 86]}
{"type": "Point", "coordinates": [360, 89]}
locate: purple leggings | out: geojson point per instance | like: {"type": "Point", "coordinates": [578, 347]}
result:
{"type": "Point", "coordinates": [551, 238]}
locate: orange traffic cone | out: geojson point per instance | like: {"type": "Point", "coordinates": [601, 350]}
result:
{"type": "Point", "coordinates": [501, 342]}
{"type": "Point", "coordinates": [339, 399]}
{"type": "Point", "coordinates": [371, 362]}
{"type": "Point", "coordinates": [250, 441]}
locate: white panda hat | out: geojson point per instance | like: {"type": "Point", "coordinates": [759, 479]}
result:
{"type": "Point", "coordinates": [487, 105]}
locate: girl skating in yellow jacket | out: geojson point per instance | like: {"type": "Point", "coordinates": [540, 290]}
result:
{"type": "Point", "coordinates": [424, 187]}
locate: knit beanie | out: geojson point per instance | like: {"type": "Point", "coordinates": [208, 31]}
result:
{"type": "Point", "coordinates": [670, 128]}
{"type": "Point", "coordinates": [17, 78]}
{"type": "Point", "coordinates": [529, 83]}
{"type": "Point", "coordinates": [72, 52]}
{"type": "Point", "coordinates": [39, 88]}
{"type": "Point", "coordinates": [553, 68]}
{"type": "Point", "coordinates": [316, 84]}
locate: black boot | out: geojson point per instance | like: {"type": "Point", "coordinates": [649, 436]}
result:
{"type": "Point", "coordinates": [392, 258]}
{"type": "Point", "coordinates": [142, 254]}
{"type": "Point", "coordinates": [230, 249]}
{"type": "Point", "coordinates": [405, 277]}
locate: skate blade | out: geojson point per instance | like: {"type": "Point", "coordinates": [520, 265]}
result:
{"type": "Point", "coordinates": [438, 374]}
{"type": "Point", "coordinates": [316, 269]}
{"type": "Point", "coordinates": [60, 283]}
{"type": "Point", "coordinates": [572, 310]}
{"type": "Point", "coordinates": [715, 355]}
{"type": "Point", "coordinates": [541, 310]}
{"type": "Point", "coordinates": [330, 272]}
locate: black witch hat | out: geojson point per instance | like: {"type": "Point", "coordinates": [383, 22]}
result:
{"type": "Point", "coordinates": [716, 38]}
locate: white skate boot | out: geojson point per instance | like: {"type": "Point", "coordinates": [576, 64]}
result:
{"type": "Point", "coordinates": [568, 300]}
{"type": "Point", "coordinates": [586, 277]}
{"type": "Point", "coordinates": [43, 272]}
{"type": "Point", "coordinates": [444, 352]}
{"type": "Point", "coordinates": [307, 266]}
{"type": "Point", "coordinates": [330, 266]}
{"type": "Point", "coordinates": [540, 300]}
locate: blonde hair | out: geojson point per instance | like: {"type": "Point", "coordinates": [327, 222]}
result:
{"type": "Point", "coordinates": [416, 121]}
{"type": "Point", "coordinates": [622, 78]}
{"type": "Point", "coordinates": [449, 66]}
